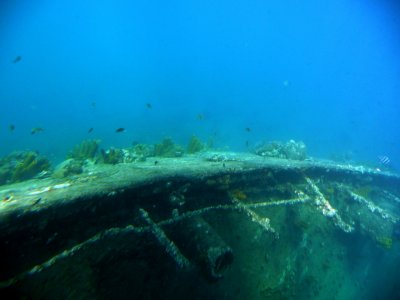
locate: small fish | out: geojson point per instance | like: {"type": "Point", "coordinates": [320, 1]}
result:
{"type": "Point", "coordinates": [90, 130]}
{"type": "Point", "coordinates": [37, 201]}
{"type": "Point", "coordinates": [11, 128]}
{"type": "Point", "coordinates": [120, 129]}
{"type": "Point", "coordinates": [93, 104]}
{"type": "Point", "coordinates": [384, 159]}
{"type": "Point", "coordinates": [148, 105]}
{"type": "Point", "coordinates": [17, 59]}
{"type": "Point", "coordinates": [36, 130]}
{"type": "Point", "coordinates": [7, 198]}
{"type": "Point", "coordinates": [200, 117]}
{"type": "Point", "coordinates": [248, 129]}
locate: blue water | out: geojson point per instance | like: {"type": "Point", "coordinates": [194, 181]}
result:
{"type": "Point", "coordinates": [324, 72]}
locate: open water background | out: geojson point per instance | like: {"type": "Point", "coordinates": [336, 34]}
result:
{"type": "Point", "coordinates": [324, 72]}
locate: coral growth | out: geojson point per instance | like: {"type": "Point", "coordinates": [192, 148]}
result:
{"type": "Point", "coordinates": [143, 151]}
{"type": "Point", "coordinates": [68, 167]}
{"type": "Point", "coordinates": [290, 150]}
{"type": "Point", "coordinates": [85, 150]}
{"type": "Point", "coordinates": [167, 148]}
{"type": "Point", "coordinates": [112, 156]}
{"type": "Point", "coordinates": [364, 191]}
{"type": "Point", "coordinates": [19, 166]}
{"type": "Point", "coordinates": [31, 165]}
{"type": "Point", "coordinates": [195, 145]}
{"type": "Point", "coordinates": [385, 242]}
{"type": "Point", "coordinates": [239, 194]}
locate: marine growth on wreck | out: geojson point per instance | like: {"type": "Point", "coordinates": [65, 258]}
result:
{"type": "Point", "coordinates": [274, 227]}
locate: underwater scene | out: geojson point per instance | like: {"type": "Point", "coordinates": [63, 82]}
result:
{"type": "Point", "coordinates": [200, 149]}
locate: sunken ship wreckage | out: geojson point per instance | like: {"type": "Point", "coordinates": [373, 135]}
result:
{"type": "Point", "coordinates": [209, 225]}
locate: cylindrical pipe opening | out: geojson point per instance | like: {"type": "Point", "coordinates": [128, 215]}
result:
{"type": "Point", "coordinates": [202, 244]}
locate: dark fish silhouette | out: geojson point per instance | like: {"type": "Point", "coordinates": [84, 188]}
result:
{"type": "Point", "coordinates": [11, 128]}
{"type": "Point", "coordinates": [148, 105]}
{"type": "Point", "coordinates": [200, 117]}
{"type": "Point", "coordinates": [248, 129]}
{"type": "Point", "coordinates": [36, 130]}
{"type": "Point", "coordinates": [90, 129]}
{"type": "Point", "coordinates": [17, 59]}
{"type": "Point", "coordinates": [121, 129]}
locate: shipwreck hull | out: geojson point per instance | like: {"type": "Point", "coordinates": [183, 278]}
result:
{"type": "Point", "coordinates": [214, 225]}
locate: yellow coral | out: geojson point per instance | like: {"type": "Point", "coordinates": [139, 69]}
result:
{"type": "Point", "coordinates": [364, 191]}
{"type": "Point", "coordinates": [239, 194]}
{"type": "Point", "coordinates": [385, 242]}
